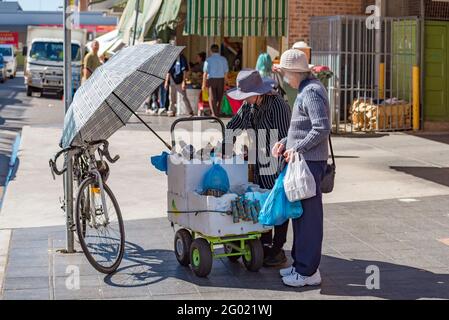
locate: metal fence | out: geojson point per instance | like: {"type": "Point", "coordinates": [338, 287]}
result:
{"type": "Point", "coordinates": [372, 85]}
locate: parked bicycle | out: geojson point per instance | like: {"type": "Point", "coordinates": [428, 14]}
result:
{"type": "Point", "coordinates": [98, 220]}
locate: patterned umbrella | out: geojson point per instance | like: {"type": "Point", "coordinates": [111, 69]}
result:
{"type": "Point", "coordinates": [108, 99]}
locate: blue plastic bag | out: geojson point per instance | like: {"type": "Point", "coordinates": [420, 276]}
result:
{"type": "Point", "coordinates": [160, 162]}
{"type": "Point", "coordinates": [216, 178]}
{"type": "Point", "coordinates": [277, 209]}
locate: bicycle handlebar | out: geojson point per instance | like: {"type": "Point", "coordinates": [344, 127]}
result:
{"type": "Point", "coordinates": [103, 152]}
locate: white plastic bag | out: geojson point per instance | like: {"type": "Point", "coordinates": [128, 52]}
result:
{"type": "Point", "coordinates": [299, 183]}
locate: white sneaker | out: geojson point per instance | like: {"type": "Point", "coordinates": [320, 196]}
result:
{"type": "Point", "coordinates": [170, 114]}
{"type": "Point", "coordinates": [287, 271]}
{"type": "Point", "coordinates": [297, 280]}
{"type": "Point", "coordinates": [162, 112]}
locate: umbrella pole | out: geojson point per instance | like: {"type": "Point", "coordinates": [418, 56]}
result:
{"type": "Point", "coordinates": [151, 129]}
{"type": "Point", "coordinates": [144, 123]}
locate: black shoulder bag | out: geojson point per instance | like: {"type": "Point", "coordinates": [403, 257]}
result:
{"type": "Point", "coordinates": [327, 184]}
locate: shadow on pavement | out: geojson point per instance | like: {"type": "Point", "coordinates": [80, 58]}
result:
{"type": "Point", "coordinates": [341, 277]}
{"type": "Point", "coordinates": [434, 174]}
{"type": "Point", "coordinates": [437, 137]}
{"type": "Point", "coordinates": [361, 135]}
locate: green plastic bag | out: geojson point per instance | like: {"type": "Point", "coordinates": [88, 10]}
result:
{"type": "Point", "coordinates": [226, 107]}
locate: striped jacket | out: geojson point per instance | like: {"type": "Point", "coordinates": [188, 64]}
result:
{"type": "Point", "coordinates": [270, 120]}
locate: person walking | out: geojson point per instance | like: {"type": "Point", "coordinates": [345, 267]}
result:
{"type": "Point", "coordinates": [267, 114]}
{"type": "Point", "coordinates": [308, 135]}
{"type": "Point", "coordinates": [91, 61]}
{"type": "Point", "coordinates": [214, 78]}
{"type": "Point", "coordinates": [264, 65]}
{"type": "Point", "coordinates": [175, 80]}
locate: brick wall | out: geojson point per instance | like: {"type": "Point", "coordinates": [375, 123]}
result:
{"type": "Point", "coordinates": [300, 12]}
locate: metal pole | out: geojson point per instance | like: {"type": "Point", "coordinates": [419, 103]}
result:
{"type": "Point", "coordinates": [135, 22]}
{"type": "Point", "coordinates": [68, 177]}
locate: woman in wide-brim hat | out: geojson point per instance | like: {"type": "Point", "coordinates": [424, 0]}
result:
{"type": "Point", "coordinates": [308, 135]}
{"type": "Point", "coordinates": [266, 114]}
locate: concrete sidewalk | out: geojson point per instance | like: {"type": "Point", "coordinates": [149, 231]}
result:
{"type": "Point", "coordinates": [368, 168]}
{"type": "Point", "coordinates": [389, 209]}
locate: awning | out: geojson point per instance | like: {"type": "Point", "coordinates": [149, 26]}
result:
{"type": "Point", "coordinates": [204, 17]}
{"type": "Point", "coordinates": [168, 16]}
{"type": "Point", "coordinates": [148, 10]}
{"type": "Point", "coordinates": [237, 18]}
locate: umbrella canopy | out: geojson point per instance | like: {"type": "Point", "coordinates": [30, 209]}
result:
{"type": "Point", "coordinates": [108, 99]}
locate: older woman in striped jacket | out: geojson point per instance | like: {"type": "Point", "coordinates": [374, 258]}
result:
{"type": "Point", "coordinates": [267, 116]}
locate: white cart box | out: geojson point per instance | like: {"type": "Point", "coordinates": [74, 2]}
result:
{"type": "Point", "coordinates": [187, 176]}
{"type": "Point", "coordinates": [209, 223]}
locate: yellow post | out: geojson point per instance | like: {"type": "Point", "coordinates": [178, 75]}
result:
{"type": "Point", "coordinates": [382, 81]}
{"type": "Point", "coordinates": [416, 98]}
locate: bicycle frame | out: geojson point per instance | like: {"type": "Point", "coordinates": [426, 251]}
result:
{"type": "Point", "coordinates": [86, 155]}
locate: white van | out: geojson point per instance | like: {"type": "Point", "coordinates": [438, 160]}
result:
{"type": "Point", "coordinates": [9, 55]}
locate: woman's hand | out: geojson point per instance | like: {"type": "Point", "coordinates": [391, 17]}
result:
{"type": "Point", "coordinates": [277, 150]}
{"type": "Point", "coordinates": [288, 155]}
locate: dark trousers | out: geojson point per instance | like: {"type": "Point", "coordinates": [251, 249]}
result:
{"type": "Point", "coordinates": [308, 229]}
{"type": "Point", "coordinates": [278, 240]}
{"type": "Point", "coordinates": [216, 92]}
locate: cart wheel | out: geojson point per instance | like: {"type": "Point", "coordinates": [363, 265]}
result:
{"type": "Point", "coordinates": [253, 259]}
{"type": "Point", "coordinates": [228, 249]}
{"type": "Point", "coordinates": [201, 257]}
{"type": "Point", "coordinates": [183, 241]}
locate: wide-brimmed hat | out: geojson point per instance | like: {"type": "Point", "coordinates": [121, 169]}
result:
{"type": "Point", "coordinates": [295, 61]}
{"type": "Point", "coordinates": [250, 83]}
{"type": "Point", "coordinates": [300, 45]}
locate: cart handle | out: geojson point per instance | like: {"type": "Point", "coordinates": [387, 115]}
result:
{"type": "Point", "coordinates": [172, 129]}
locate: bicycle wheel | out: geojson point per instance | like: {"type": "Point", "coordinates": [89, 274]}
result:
{"type": "Point", "coordinates": [103, 242]}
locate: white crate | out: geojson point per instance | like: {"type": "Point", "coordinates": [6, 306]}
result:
{"type": "Point", "coordinates": [177, 203]}
{"type": "Point", "coordinates": [187, 176]}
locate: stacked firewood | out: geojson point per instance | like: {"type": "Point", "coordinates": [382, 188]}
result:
{"type": "Point", "coordinates": [392, 114]}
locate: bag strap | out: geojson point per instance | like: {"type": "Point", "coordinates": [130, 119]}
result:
{"type": "Point", "coordinates": [332, 151]}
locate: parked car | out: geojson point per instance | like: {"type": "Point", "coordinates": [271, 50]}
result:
{"type": "Point", "coordinates": [9, 55]}
{"type": "Point", "coordinates": [2, 69]}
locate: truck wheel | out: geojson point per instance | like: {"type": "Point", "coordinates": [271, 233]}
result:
{"type": "Point", "coordinates": [29, 91]}
{"type": "Point", "coordinates": [253, 259]}
{"type": "Point", "coordinates": [201, 257]}
{"type": "Point", "coordinates": [182, 243]}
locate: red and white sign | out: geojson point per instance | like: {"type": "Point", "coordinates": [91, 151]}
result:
{"type": "Point", "coordinates": [7, 37]}
{"type": "Point", "coordinates": [89, 28]}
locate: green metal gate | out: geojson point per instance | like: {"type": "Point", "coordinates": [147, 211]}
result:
{"type": "Point", "coordinates": [436, 61]}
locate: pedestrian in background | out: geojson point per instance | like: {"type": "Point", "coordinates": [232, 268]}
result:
{"type": "Point", "coordinates": [214, 78]}
{"type": "Point", "coordinates": [308, 135]}
{"type": "Point", "coordinates": [198, 66]}
{"type": "Point", "coordinates": [264, 65]}
{"type": "Point", "coordinates": [175, 80]}
{"type": "Point", "coordinates": [91, 61]}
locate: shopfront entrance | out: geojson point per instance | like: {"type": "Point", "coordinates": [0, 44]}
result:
{"type": "Point", "coordinates": [436, 60]}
